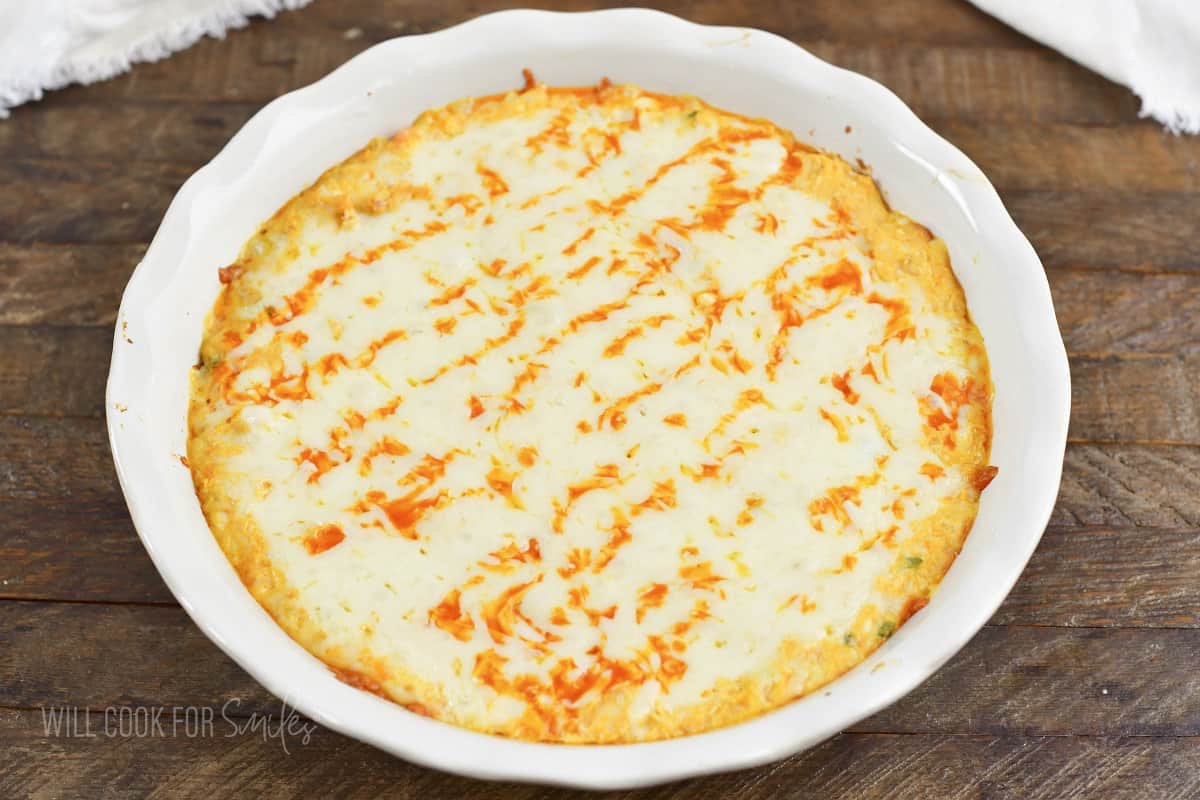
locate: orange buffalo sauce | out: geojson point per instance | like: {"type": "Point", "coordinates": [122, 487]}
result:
{"type": "Point", "coordinates": [448, 615]}
{"type": "Point", "coordinates": [323, 538]}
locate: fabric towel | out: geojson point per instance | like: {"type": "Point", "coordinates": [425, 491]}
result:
{"type": "Point", "coordinates": [1151, 46]}
{"type": "Point", "coordinates": [48, 44]}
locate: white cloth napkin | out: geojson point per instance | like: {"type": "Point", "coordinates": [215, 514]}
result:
{"type": "Point", "coordinates": [48, 44]}
{"type": "Point", "coordinates": [1151, 46]}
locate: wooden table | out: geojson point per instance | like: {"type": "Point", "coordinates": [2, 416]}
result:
{"type": "Point", "coordinates": [1086, 683]}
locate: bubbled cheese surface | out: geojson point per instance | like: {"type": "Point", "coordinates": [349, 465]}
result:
{"type": "Point", "coordinates": [590, 415]}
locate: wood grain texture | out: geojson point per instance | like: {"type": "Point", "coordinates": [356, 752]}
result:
{"type": "Point", "coordinates": [56, 200]}
{"type": "Point", "coordinates": [186, 134]}
{"type": "Point", "coordinates": [52, 203]}
{"type": "Point", "coordinates": [1117, 310]}
{"type": "Point", "coordinates": [1109, 577]}
{"type": "Point", "coordinates": [1036, 157]}
{"type": "Point", "coordinates": [1084, 684]}
{"type": "Point", "coordinates": [1012, 84]}
{"type": "Point", "coordinates": [951, 87]}
{"type": "Point", "coordinates": [1141, 231]}
{"type": "Point", "coordinates": [1126, 312]}
{"type": "Point", "coordinates": [62, 460]}
{"type": "Point", "coordinates": [1133, 367]}
{"type": "Point", "coordinates": [1117, 398]}
{"type": "Point", "coordinates": [1080, 576]}
{"type": "Point", "coordinates": [861, 766]}
{"type": "Point", "coordinates": [1016, 84]}
{"type": "Point", "coordinates": [151, 656]}
{"type": "Point", "coordinates": [77, 284]}
{"type": "Point", "coordinates": [65, 533]}
{"type": "Point", "coordinates": [75, 550]}
{"type": "Point", "coordinates": [825, 20]}
{"type": "Point", "coordinates": [1027, 157]}
{"type": "Point", "coordinates": [262, 61]}
{"type": "Point", "coordinates": [1062, 681]}
{"type": "Point", "coordinates": [1043, 680]}
{"type": "Point", "coordinates": [1129, 486]}
{"type": "Point", "coordinates": [1107, 186]}
{"type": "Point", "coordinates": [54, 371]}
{"type": "Point", "coordinates": [1151, 398]}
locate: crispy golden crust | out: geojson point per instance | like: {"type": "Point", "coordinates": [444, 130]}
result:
{"type": "Point", "coordinates": [375, 182]}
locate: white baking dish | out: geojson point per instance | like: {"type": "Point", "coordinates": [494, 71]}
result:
{"type": "Point", "coordinates": [287, 144]}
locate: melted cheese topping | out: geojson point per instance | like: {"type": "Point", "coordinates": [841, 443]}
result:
{"type": "Point", "coordinates": [590, 415]}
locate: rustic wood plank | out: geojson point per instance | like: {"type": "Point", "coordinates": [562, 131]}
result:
{"type": "Point", "coordinates": [1035, 157]}
{"type": "Point", "coordinates": [1134, 340]}
{"type": "Point", "coordinates": [54, 370]}
{"type": "Point", "coordinates": [1099, 310]}
{"type": "Point", "coordinates": [1117, 398]}
{"type": "Point", "coordinates": [1014, 85]}
{"type": "Point", "coordinates": [64, 550]}
{"type": "Point", "coordinates": [65, 533]}
{"type": "Point", "coordinates": [1120, 550]}
{"type": "Point", "coordinates": [924, 23]}
{"type": "Point", "coordinates": [1113, 209]}
{"type": "Point", "coordinates": [1129, 399]}
{"type": "Point", "coordinates": [64, 460]}
{"type": "Point", "coordinates": [78, 284]}
{"type": "Point", "coordinates": [186, 134]}
{"type": "Point", "coordinates": [860, 766]}
{"type": "Point", "coordinates": [1143, 231]}
{"type": "Point", "coordinates": [1115, 485]}
{"type": "Point", "coordinates": [66, 463]}
{"type": "Point", "coordinates": [263, 61]}
{"type": "Point", "coordinates": [1018, 158]}
{"type": "Point", "coordinates": [77, 201]}
{"type": "Point", "coordinates": [1064, 681]}
{"type": "Point", "coordinates": [941, 84]}
{"type": "Point", "coordinates": [1028, 157]}
{"type": "Point", "coordinates": [1132, 681]}
{"type": "Point", "coordinates": [1129, 486]}
{"type": "Point", "coordinates": [151, 655]}
{"type": "Point", "coordinates": [54, 201]}
{"type": "Point", "coordinates": [962, 767]}
{"type": "Point", "coordinates": [1087, 577]}
{"type": "Point", "coordinates": [1123, 312]}
{"type": "Point", "coordinates": [1101, 577]}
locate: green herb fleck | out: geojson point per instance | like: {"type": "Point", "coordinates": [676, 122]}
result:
{"type": "Point", "coordinates": [849, 640]}
{"type": "Point", "coordinates": [887, 629]}
{"type": "Point", "coordinates": [912, 562]}
{"type": "Point", "coordinates": [691, 115]}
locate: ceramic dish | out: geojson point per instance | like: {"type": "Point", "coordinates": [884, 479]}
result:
{"type": "Point", "coordinates": [290, 142]}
